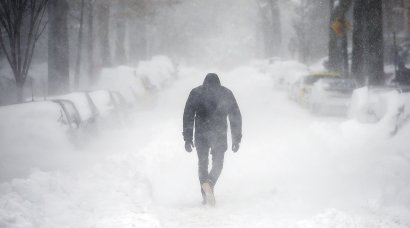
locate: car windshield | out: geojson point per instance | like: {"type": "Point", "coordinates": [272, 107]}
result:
{"type": "Point", "coordinates": [338, 84]}
{"type": "Point", "coordinates": [312, 79]}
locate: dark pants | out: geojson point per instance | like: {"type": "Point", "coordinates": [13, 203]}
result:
{"type": "Point", "coordinates": [203, 162]}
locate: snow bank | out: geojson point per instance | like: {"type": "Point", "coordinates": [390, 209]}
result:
{"type": "Point", "coordinates": [108, 195]}
{"type": "Point", "coordinates": [340, 219]}
{"type": "Point", "coordinates": [31, 133]}
{"type": "Point", "coordinates": [387, 107]}
{"type": "Point", "coordinates": [287, 71]}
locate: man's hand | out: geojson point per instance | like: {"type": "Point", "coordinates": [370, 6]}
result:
{"type": "Point", "coordinates": [235, 147]}
{"type": "Point", "coordinates": [189, 146]}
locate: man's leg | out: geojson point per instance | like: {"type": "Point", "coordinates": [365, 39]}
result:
{"type": "Point", "coordinates": [217, 165]}
{"type": "Point", "coordinates": [203, 162]}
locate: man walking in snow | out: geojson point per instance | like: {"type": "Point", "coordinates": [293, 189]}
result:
{"type": "Point", "coordinates": [206, 110]}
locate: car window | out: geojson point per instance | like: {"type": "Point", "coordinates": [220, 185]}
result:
{"type": "Point", "coordinates": [310, 80]}
{"type": "Point", "coordinates": [338, 84]}
{"type": "Point", "coordinates": [71, 112]}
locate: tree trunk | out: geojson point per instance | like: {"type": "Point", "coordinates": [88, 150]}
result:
{"type": "Point", "coordinates": [390, 29]}
{"type": "Point", "coordinates": [79, 48]}
{"type": "Point", "coordinates": [267, 40]}
{"type": "Point", "coordinates": [406, 4]}
{"type": "Point", "coordinates": [367, 59]}
{"type": "Point", "coordinates": [20, 90]}
{"type": "Point", "coordinates": [103, 31]}
{"type": "Point", "coordinates": [275, 27]}
{"type": "Point", "coordinates": [359, 18]}
{"type": "Point", "coordinates": [90, 44]}
{"type": "Point", "coordinates": [58, 47]}
{"type": "Point", "coordinates": [375, 27]}
{"type": "Point", "coordinates": [120, 55]}
{"type": "Point", "coordinates": [133, 37]}
{"type": "Point", "coordinates": [332, 62]}
{"type": "Point", "coordinates": [144, 42]}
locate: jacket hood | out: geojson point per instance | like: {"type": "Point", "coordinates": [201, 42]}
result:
{"type": "Point", "coordinates": [212, 79]}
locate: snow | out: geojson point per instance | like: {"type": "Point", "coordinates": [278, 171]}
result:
{"type": "Point", "coordinates": [293, 169]}
{"type": "Point", "coordinates": [158, 71]}
{"type": "Point", "coordinates": [386, 107]}
{"type": "Point", "coordinates": [102, 101]}
{"type": "Point", "coordinates": [122, 79]}
{"type": "Point", "coordinates": [29, 134]}
{"type": "Point", "coordinates": [81, 103]}
{"type": "Point", "coordinates": [288, 71]}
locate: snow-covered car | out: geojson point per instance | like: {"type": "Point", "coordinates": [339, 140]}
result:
{"type": "Point", "coordinates": [294, 90]}
{"type": "Point", "coordinates": [389, 107]}
{"type": "Point", "coordinates": [72, 116]}
{"type": "Point", "coordinates": [104, 102]}
{"type": "Point", "coordinates": [331, 96]}
{"type": "Point", "coordinates": [302, 89]}
{"type": "Point", "coordinates": [33, 133]}
{"type": "Point", "coordinates": [84, 105]}
{"type": "Point", "coordinates": [39, 116]}
{"type": "Point", "coordinates": [118, 99]}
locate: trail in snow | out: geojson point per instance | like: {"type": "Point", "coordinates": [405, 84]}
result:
{"type": "Point", "coordinates": [293, 170]}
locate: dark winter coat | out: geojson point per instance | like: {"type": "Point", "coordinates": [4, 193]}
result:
{"type": "Point", "coordinates": [208, 107]}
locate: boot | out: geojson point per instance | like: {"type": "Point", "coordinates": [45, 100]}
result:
{"type": "Point", "coordinates": [209, 193]}
{"type": "Point", "coordinates": [203, 197]}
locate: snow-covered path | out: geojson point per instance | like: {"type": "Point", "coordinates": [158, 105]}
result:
{"type": "Point", "coordinates": [293, 170]}
{"type": "Point", "coordinates": [291, 167]}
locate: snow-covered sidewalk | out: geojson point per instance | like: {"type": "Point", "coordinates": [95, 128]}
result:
{"type": "Point", "coordinates": [293, 170]}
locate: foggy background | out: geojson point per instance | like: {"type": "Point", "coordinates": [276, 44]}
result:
{"type": "Point", "coordinates": [213, 34]}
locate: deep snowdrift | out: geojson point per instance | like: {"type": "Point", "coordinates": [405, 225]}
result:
{"type": "Point", "coordinates": [293, 170]}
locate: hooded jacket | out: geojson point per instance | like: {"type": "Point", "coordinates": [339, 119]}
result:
{"type": "Point", "coordinates": [208, 107]}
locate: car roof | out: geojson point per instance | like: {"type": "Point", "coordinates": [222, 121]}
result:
{"type": "Point", "coordinates": [324, 74]}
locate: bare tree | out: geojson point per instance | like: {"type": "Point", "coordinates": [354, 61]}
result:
{"type": "Point", "coordinates": [58, 47]}
{"type": "Point", "coordinates": [20, 28]}
{"type": "Point", "coordinates": [367, 55]}
{"type": "Point", "coordinates": [271, 26]}
{"type": "Point", "coordinates": [92, 78]}
{"type": "Point", "coordinates": [103, 31]}
{"type": "Point", "coordinates": [120, 32]}
{"type": "Point", "coordinates": [300, 25]}
{"type": "Point", "coordinates": [79, 49]}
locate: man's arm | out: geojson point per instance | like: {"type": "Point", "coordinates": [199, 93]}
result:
{"type": "Point", "coordinates": [189, 117]}
{"type": "Point", "coordinates": [235, 119]}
